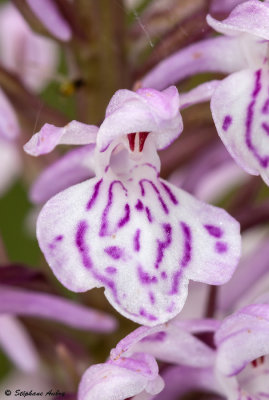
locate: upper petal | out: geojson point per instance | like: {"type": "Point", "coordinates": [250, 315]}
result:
{"type": "Point", "coordinates": [50, 136]}
{"type": "Point", "coordinates": [147, 110]}
{"type": "Point", "coordinates": [240, 108]}
{"type": "Point", "coordinates": [250, 17]}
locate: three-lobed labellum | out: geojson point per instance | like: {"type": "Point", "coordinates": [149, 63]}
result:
{"type": "Point", "coordinates": [139, 237]}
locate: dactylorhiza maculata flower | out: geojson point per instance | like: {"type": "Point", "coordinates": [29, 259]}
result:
{"type": "Point", "coordinates": [236, 367]}
{"type": "Point", "coordinates": [127, 230]}
{"type": "Point", "coordinates": [240, 102]}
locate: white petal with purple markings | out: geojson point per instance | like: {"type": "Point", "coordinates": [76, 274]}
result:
{"type": "Point", "coordinates": [240, 108]}
{"type": "Point", "coordinates": [139, 237]}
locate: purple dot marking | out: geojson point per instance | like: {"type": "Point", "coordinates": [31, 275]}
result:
{"type": "Point", "coordinates": [263, 161]}
{"type": "Point", "coordinates": [221, 247]}
{"type": "Point", "coordinates": [114, 252]}
{"type": "Point", "coordinates": [163, 275]}
{"type": "Point", "coordinates": [92, 200]}
{"type": "Point", "coordinates": [152, 298]}
{"type": "Point", "coordinates": [111, 270]}
{"type": "Point", "coordinates": [227, 121]}
{"type": "Point", "coordinates": [147, 315]}
{"type": "Point", "coordinates": [265, 127]}
{"type": "Point", "coordinates": [186, 258]}
{"type": "Point", "coordinates": [81, 245]}
{"type": "Point", "coordinates": [53, 244]}
{"type": "Point", "coordinates": [149, 216]}
{"type": "Point", "coordinates": [144, 277]}
{"type": "Point", "coordinates": [137, 240]}
{"type": "Point", "coordinates": [214, 230]}
{"type": "Point", "coordinates": [139, 205]}
{"type": "Point", "coordinates": [163, 245]}
{"type": "Point", "coordinates": [123, 221]}
{"type": "Point", "coordinates": [170, 193]}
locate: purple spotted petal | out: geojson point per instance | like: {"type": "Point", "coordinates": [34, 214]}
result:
{"type": "Point", "coordinates": [120, 380]}
{"type": "Point", "coordinates": [220, 54]}
{"type": "Point", "coordinates": [21, 302]}
{"type": "Point", "coordinates": [140, 238]}
{"type": "Point", "coordinates": [17, 344]}
{"type": "Point", "coordinates": [249, 17]}
{"type": "Point", "coordinates": [50, 136]}
{"type": "Point", "coordinates": [50, 16]}
{"type": "Point", "coordinates": [74, 167]}
{"type": "Point", "coordinates": [242, 338]}
{"type": "Point", "coordinates": [147, 110]}
{"type": "Point", "coordinates": [240, 108]}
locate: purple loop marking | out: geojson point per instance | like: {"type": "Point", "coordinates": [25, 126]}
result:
{"type": "Point", "coordinates": [137, 240]}
{"type": "Point", "coordinates": [156, 190]}
{"type": "Point", "coordinates": [163, 245]}
{"type": "Point", "coordinates": [94, 195]}
{"type": "Point", "coordinates": [144, 276]}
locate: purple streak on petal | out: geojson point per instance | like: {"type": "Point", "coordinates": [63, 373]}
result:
{"type": "Point", "coordinates": [227, 122]}
{"type": "Point", "coordinates": [156, 337]}
{"type": "Point", "coordinates": [149, 216]}
{"type": "Point", "coordinates": [170, 193]}
{"type": "Point", "coordinates": [139, 205]}
{"type": "Point", "coordinates": [265, 109]}
{"type": "Point", "coordinates": [147, 315]}
{"type": "Point", "coordinates": [249, 119]}
{"type": "Point", "coordinates": [27, 303]}
{"type": "Point", "coordinates": [144, 277]}
{"type": "Point", "coordinates": [104, 224]}
{"type": "Point", "coordinates": [265, 126]}
{"type": "Point", "coordinates": [163, 275]}
{"type": "Point", "coordinates": [187, 249]}
{"type": "Point", "coordinates": [187, 244]}
{"type": "Point", "coordinates": [114, 252]}
{"type": "Point", "coordinates": [81, 245]}
{"type": "Point", "coordinates": [94, 195]}
{"type": "Point", "coordinates": [214, 231]}
{"type": "Point", "coordinates": [156, 190]}
{"type": "Point", "coordinates": [163, 245]}
{"type": "Point", "coordinates": [126, 217]}
{"type": "Point", "coordinates": [152, 298]}
{"type": "Point", "coordinates": [51, 18]}
{"type": "Point", "coordinates": [57, 239]}
{"type": "Point", "coordinates": [137, 240]}
{"type": "Point", "coordinates": [111, 270]}
{"type": "Point", "coordinates": [221, 247]}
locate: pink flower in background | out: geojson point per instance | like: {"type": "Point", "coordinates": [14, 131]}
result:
{"type": "Point", "coordinates": [127, 229]}
{"type": "Point", "coordinates": [30, 56]}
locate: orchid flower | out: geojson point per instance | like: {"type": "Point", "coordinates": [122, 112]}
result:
{"type": "Point", "coordinates": [126, 229]}
{"type": "Point", "coordinates": [239, 103]}
{"type": "Point", "coordinates": [30, 56]}
{"type": "Point", "coordinates": [242, 353]}
{"type": "Point", "coordinates": [132, 370]}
